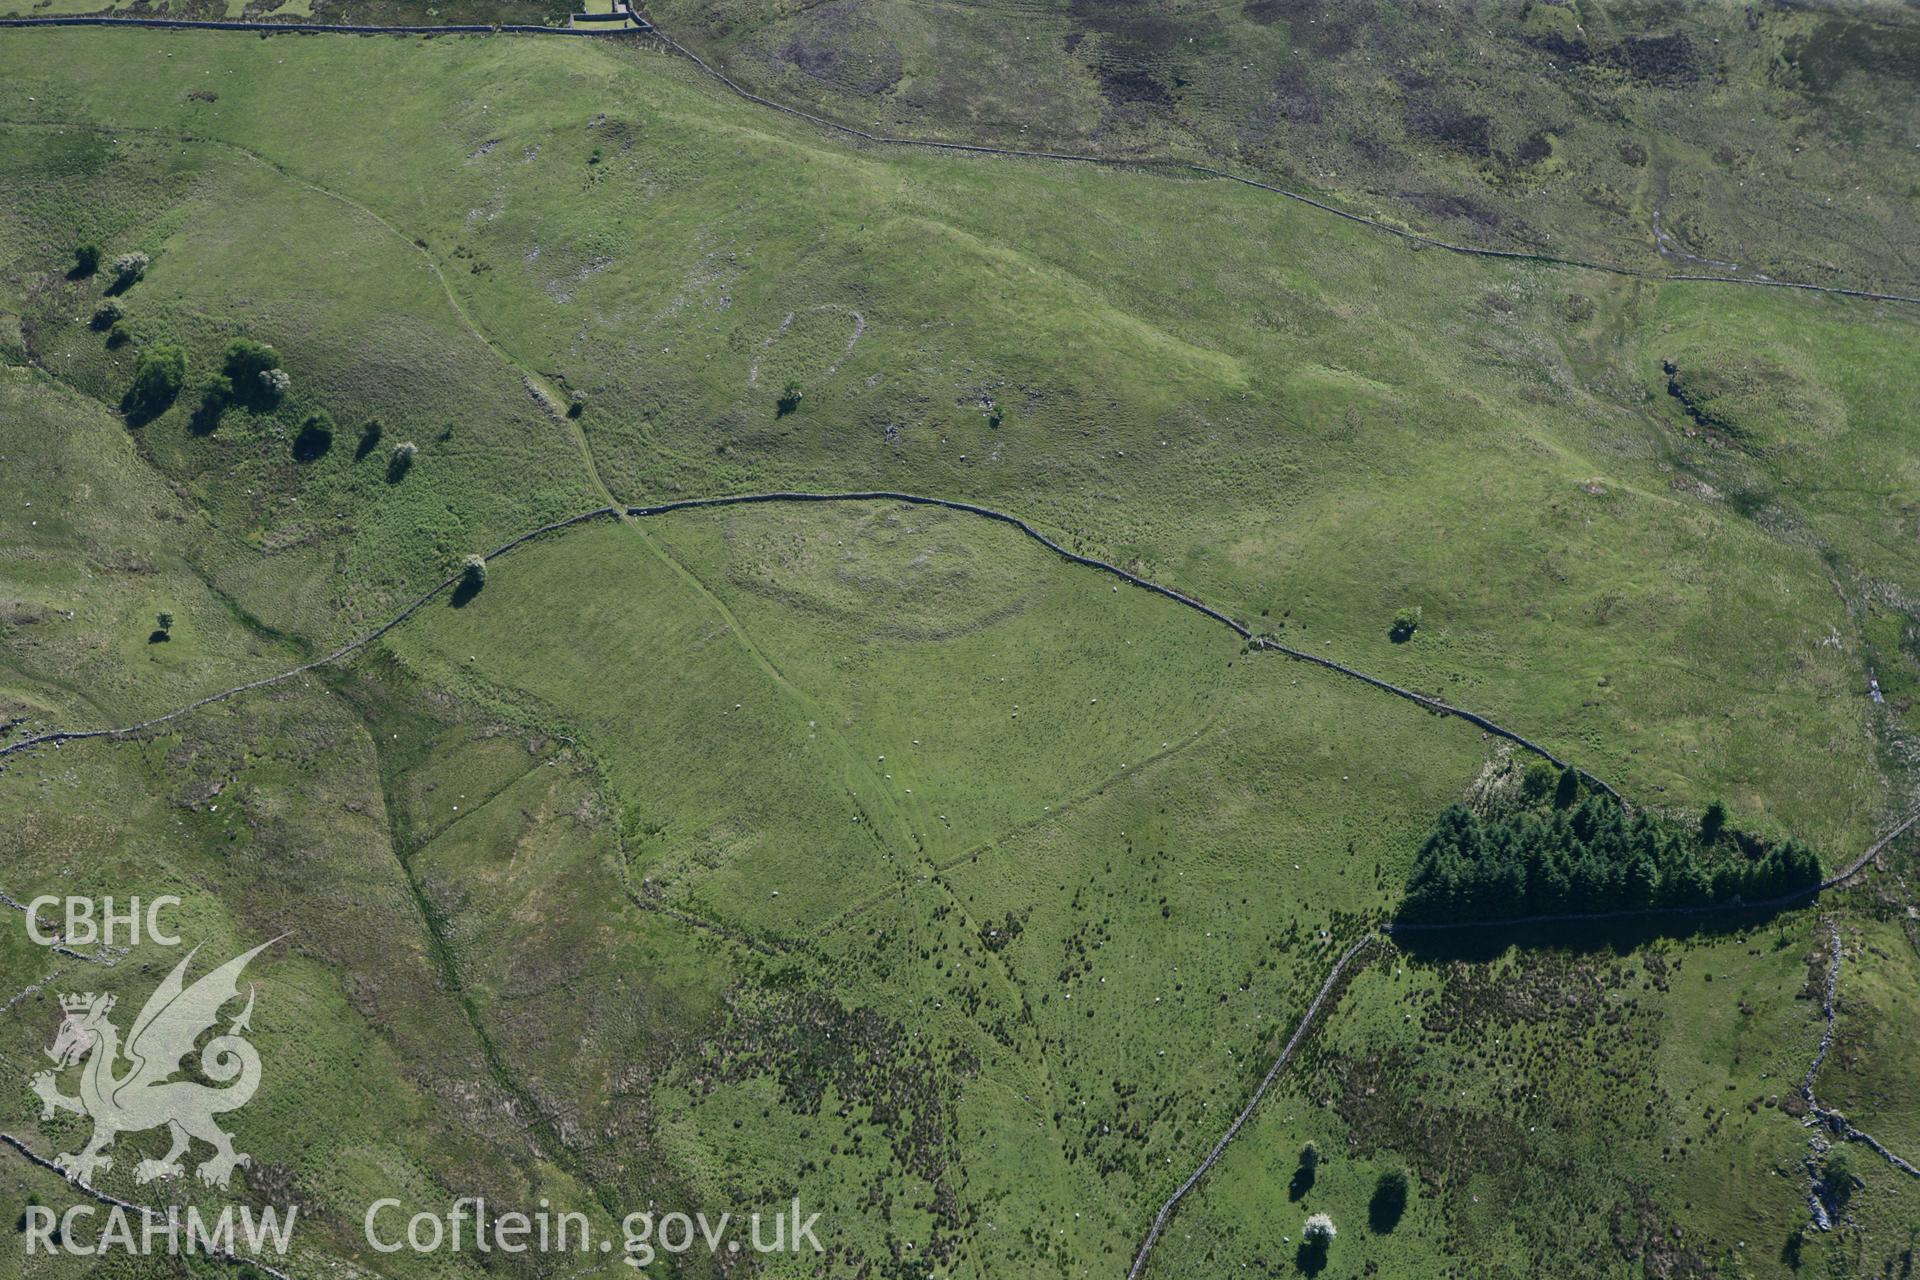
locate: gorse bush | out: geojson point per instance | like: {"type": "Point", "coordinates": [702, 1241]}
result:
{"type": "Point", "coordinates": [1590, 857]}
{"type": "Point", "coordinates": [86, 259]}
{"type": "Point", "coordinates": [129, 267]}
{"type": "Point", "coordinates": [254, 369]}
{"type": "Point", "coordinates": [245, 360]}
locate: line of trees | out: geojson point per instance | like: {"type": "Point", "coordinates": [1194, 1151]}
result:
{"type": "Point", "coordinates": [1587, 855]}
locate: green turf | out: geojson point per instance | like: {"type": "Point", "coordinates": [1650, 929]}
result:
{"type": "Point", "coordinates": [870, 852]}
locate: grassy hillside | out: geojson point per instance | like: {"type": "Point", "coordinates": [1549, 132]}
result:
{"type": "Point", "coordinates": [872, 853]}
{"type": "Point", "coordinates": [1300, 397]}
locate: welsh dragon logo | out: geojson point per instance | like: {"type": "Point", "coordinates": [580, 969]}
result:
{"type": "Point", "coordinates": [145, 1093]}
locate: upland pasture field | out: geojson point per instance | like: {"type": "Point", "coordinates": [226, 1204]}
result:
{"type": "Point", "coordinates": [872, 853]}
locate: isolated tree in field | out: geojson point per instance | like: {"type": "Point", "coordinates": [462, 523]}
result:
{"type": "Point", "coordinates": [790, 396]}
{"type": "Point", "coordinates": [128, 268]}
{"type": "Point", "coordinates": [107, 314]}
{"type": "Point", "coordinates": [401, 460]}
{"type": "Point", "coordinates": [1389, 1201]}
{"type": "Point", "coordinates": [1315, 1239]}
{"type": "Point", "coordinates": [315, 438]}
{"type": "Point", "coordinates": [369, 438]}
{"type": "Point", "coordinates": [1405, 623]}
{"type": "Point", "coordinates": [164, 619]}
{"type": "Point", "coordinates": [1304, 1173]}
{"type": "Point", "coordinates": [86, 259]}
{"type": "Point", "coordinates": [1712, 822]}
{"type": "Point", "coordinates": [473, 576]}
{"type": "Point", "coordinates": [157, 379]}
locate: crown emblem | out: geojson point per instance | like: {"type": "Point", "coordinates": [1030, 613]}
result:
{"type": "Point", "coordinates": [81, 1003]}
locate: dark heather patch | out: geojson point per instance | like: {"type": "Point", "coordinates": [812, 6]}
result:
{"type": "Point", "coordinates": [1331, 39]}
{"type": "Point", "coordinates": [1446, 204]}
{"type": "Point", "coordinates": [1469, 134]}
{"type": "Point", "coordinates": [1292, 99]}
{"type": "Point", "coordinates": [1268, 12]}
{"type": "Point", "coordinates": [1125, 82]}
{"type": "Point", "coordinates": [1535, 149]}
{"type": "Point", "coordinates": [1135, 40]}
{"type": "Point", "coordinates": [1559, 50]}
{"type": "Point", "coordinates": [815, 1048]}
{"type": "Point", "coordinates": [1841, 46]}
{"type": "Point", "coordinates": [1661, 60]}
{"type": "Point", "coordinates": [1644, 1235]}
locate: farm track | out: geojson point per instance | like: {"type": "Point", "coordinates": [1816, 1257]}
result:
{"type": "Point", "coordinates": [648, 29]}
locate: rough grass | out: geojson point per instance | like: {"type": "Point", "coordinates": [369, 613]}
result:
{"type": "Point", "coordinates": [1292, 398]}
{"type": "Point", "coordinates": [479, 829]}
{"type": "Point", "coordinates": [1754, 130]}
